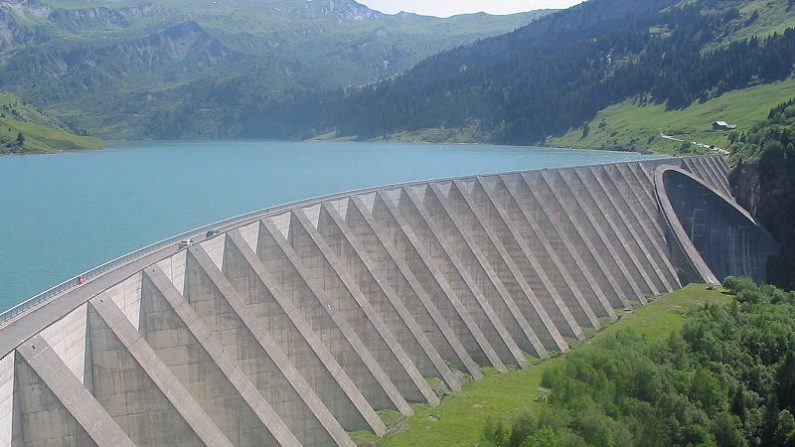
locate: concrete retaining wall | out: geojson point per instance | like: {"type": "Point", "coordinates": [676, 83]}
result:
{"type": "Point", "coordinates": [300, 325]}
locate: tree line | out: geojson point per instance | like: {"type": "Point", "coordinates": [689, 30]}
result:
{"type": "Point", "coordinates": [727, 379]}
{"type": "Point", "coordinates": [519, 89]}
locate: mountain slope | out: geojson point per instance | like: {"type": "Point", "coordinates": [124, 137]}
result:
{"type": "Point", "coordinates": [23, 129]}
{"type": "Point", "coordinates": [559, 72]}
{"type": "Point", "coordinates": [109, 65]}
{"type": "Point", "coordinates": [631, 125]}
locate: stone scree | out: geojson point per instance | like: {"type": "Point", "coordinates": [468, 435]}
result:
{"type": "Point", "coordinates": [299, 326]}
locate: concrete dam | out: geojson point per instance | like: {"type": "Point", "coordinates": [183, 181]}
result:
{"type": "Point", "coordinates": [298, 325]}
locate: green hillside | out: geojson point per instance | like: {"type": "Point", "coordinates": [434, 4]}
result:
{"type": "Point", "coordinates": [630, 126]}
{"type": "Point", "coordinates": [117, 68]}
{"type": "Point", "coordinates": [627, 69]}
{"type": "Point", "coordinates": [726, 379]}
{"type": "Point", "coordinates": [609, 74]}
{"type": "Point", "coordinates": [40, 132]}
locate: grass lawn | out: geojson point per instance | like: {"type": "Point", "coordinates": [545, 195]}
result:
{"type": "Point", "coordinates": [459, 419]}
{"type": "Point", "coordinates": [630, 125]}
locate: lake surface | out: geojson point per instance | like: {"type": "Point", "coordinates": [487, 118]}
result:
{"type": "Point", "coordinates": [63, 214]}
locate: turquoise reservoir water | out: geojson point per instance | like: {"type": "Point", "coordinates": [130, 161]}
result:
{"type": "Point", "coordinates": [64, 214]}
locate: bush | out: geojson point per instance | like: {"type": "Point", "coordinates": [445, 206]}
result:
{"type": "Point", "coordinates": [738, 284]}
{"type": "Point", "coordinates": [727, 379]}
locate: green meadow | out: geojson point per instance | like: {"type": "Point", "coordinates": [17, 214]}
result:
{"type": "Point", "coordinates": [460, 418]}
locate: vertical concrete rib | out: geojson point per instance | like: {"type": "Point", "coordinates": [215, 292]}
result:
{"type": "Point", "coordinates": [584, 222]}
{"type": "Point", "coordinates": [718, 180]}
{"type": "Point", "coordinates": [491, 237]}
{"type": "Point", "coordinates": [186, 345]}
{"type": "Point", "coordinates": [352, 303]}
{"type": "Point", "coordinates": [483, 272]}
{"type": "Point", "coordinates": [646, 195]}
{"type": "Point", "coordinates": [720, 174]}
{"type": "Point", "coordinates": [645, 201]}
{"type": "Point", "coordinates": [74, 398]}
{"type": "Point", "coordinates": [555, 217]}
{"type": "Point", "coordinates": [34, 415]}
{"type": "Point", "coordinates": [529, 265]}
{"type": "Point", "coordinates": [688, 165]}
{"type": "Point", "coordinates": [554, 222]}
{"type": "Point", "coordinates": [708, 171]}
{"type": "Point", "coordinates": [533, 211]}
{"type": "Point", "coordinates": [628, 189]}
{"type": "Point", "coordinates": [724, 170]}
{"type": "Point", "coordinates": [343, 342]}
{"type": "Point", "coordinates": [695, 165]}
{"type": "Point", "coordinates": [651, 253]}
{"type": "Point", "coordinates": [273, 341]}
{"type": "Point", "coordinates": [407, 285]}
{"type": "Point", "coordinates": [605, 215]}
{"type": "Point", "coordinates": [434, 283]}
{"type": "Point", "coordinates": [192, 426]}
{"type": "Point", "coordinates": [635, 184]}
{"type": "Point", "coordinates": [383, 297]}
{"type": "Point", "coordinates": [459, 278]}
{"type": "Point", "coordinates": [552, 259]}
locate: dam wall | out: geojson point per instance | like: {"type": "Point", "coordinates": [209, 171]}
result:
{"type": "Point", "coordinates": [299, 325]}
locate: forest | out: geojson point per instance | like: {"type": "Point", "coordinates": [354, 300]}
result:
{"type": "Point", "coordinates": [727, 379]}
{"type": "Point", "coordinates": [520, 89]}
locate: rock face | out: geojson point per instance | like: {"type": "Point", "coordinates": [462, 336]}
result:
{"type": "Point", "coordinates": [77, 19]}
{"type": "Point", "coordinates": [12, 33]}
{"type": "Point", "coordinates": [91, 61]}
{"type": "Point", "coordinates": [180, 53]}
{"type": "Point", "coordinates": [295, 326]}
{"type": "Point", "coordinates": [342, 10]}
{"type": "Point", "coordinates": [33, 8]}
{"type": "Point", "coordinates": [765, 187]}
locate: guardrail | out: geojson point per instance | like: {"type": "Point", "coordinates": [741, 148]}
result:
{"type": "Point", "coordinates": [86, 276]}
{"type": "Point", "coordinates": [80, 279]}
{"type": "Point", "coordinates": [195, 233]}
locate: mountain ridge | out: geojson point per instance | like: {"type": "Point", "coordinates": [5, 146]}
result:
{"type": "Point", "coordinates": [110, 66]}
{"type": "Point", "coordinates": [521, 89]}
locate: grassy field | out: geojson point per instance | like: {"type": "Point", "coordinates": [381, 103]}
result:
{"type": "Point", "coordinates": [44, 139]}
{"type": "Point", "coordinates": [630, 125]}
{"type": "Point", "coordinates": [459, 419]}
{"type": "Point", "coordinates": [42, 133]}
{"type": "Point", "coordinates": [774, 17]}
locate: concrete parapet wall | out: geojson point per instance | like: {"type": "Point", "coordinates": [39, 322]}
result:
{"type": "Point", "coordinates": [297, 326]}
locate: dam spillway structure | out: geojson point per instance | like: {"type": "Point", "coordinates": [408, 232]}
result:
{"type": "Point", "coordinates": [298, 325]}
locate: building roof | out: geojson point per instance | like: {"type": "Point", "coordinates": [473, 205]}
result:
{"type": "Point", "coordinates": [725, 125]}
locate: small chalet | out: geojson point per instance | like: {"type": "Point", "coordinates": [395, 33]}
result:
{"type": "Point", "coordinates": [723, 125]}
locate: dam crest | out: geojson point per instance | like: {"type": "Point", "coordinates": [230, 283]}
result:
{"type": "Point", "coordinates": [301, 324]}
